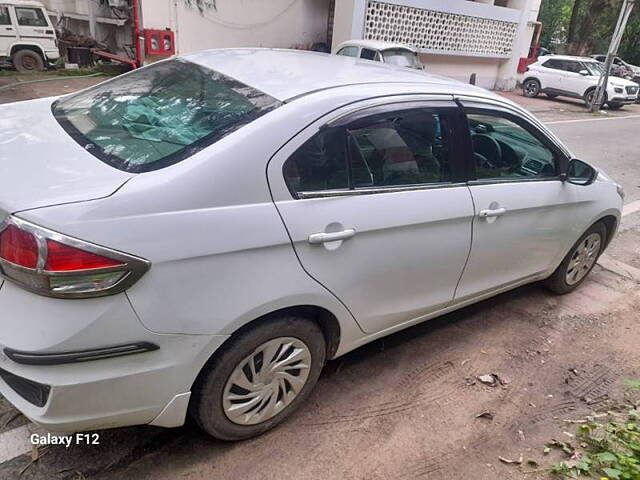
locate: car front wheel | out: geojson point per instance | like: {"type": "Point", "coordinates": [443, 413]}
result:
{"type": "Point", "coordinates": [589, 97]}
{"type": "Point", "coordinates": [531, 88]}
{"type": "Point", "coordinates": [579, 261]}
{"type": "Point", "coordinates": [259, 379]}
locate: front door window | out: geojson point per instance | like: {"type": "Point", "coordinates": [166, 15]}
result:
{"type": "Point", "coordinates": [504, 150]}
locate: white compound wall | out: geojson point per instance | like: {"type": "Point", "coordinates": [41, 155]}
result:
{"type": "Point", "coordinates": [454, 37]}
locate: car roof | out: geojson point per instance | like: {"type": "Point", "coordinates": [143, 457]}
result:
{"type": "Point", "coordinates": [375, 45]}
{"type": "Point", "coordinates": [286, 74]}
{"type": "Point", "coordinates": [566, 57]}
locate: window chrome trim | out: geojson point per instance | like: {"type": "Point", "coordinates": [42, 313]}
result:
{"type": "Point", "coordinates": [376, 190]}
{"type": "Point", "coordinates": [500, 181]}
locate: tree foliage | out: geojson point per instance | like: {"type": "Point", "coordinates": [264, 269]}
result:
{"type": "Point", "coordinates": [582, 27]}
{"type": "Point", "coordinates": [201, 5]}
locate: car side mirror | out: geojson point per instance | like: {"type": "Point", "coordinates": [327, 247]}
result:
{"type": "Point", "coordinates": [584, 73]}
{"type": "Point", "coordinates": [579, 173]}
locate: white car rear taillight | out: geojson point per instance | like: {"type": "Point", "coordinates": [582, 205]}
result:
{"type": "Point", "coordinates": [56, 265]}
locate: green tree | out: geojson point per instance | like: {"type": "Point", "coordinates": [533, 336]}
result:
{"type": "Point", "coordinates": [554, 16]}
{"type": "Point", "coordinates": [583, 27]}
{"type": "Point", "coordinates": [201, 5]}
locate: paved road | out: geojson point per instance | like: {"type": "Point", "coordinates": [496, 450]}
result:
{"type": "Point", "coordinates": [612, 144]}
{"type": "Point", "coordinates": [406, 406]}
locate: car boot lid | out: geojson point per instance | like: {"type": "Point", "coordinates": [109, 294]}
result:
{"type": "Point", "coordinates": [41, 165]}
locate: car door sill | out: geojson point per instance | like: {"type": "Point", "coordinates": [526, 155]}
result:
{"type": "Point", "coordinates": [455, 305]}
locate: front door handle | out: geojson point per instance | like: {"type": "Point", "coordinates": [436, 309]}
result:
{"type": "Point", "coordinates": [317, 238]}
{"type": "Point", "coordinates": [496, 212]}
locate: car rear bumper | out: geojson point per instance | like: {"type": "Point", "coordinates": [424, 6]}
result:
{"type": "Point", "coordinates": [52, 55]}
{"type": "Point", "coordinates": [100, 393]}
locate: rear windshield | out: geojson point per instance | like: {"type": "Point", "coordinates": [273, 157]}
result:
{"type": "Point", "coordinates": [402, 58]}
{"type": "Point", "coordinates": [159, 115]}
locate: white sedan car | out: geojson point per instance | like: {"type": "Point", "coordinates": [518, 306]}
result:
{"type": "Point", "coordinates": [201, 235]}
{"type": "Point", "coordinates": [386, 52]}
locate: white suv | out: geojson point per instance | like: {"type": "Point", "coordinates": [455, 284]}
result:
{"type": "Point", "coordinates": [576, 77]}
{"type": "Point", "coordinates": [27, 37]}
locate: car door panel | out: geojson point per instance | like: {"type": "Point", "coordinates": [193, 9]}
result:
{"type": "Point", "coordinates": [8, 33]}
{"type": "Point", "coordinates": [523, 220]}
{"type": "Point", "coordinates": [33, 24]}
{"type": "Point", "coordinates": [523, 242]}
{"type": "Point", "coordinates": [400, 251]}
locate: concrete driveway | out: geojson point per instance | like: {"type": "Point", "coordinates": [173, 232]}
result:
{"type": "Point", "coordinates": [410, 405]}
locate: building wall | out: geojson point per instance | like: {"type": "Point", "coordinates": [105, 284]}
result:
{"type": "Point", "coordinates": [454, 37]}
{"type": "Point", "coordinates": [238, 23]}
{"type": "Point", "coordinates": [73, 15]}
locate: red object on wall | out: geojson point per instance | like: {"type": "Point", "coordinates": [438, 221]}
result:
{"type": "Point", "coordinates": [159, 42]}
{"type": "Point", "coordinates": [523, 64]}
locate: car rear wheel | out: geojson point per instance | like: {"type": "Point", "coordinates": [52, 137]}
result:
{"type": "Point", "coordinates": [579, 261]}
{"type": "Point", "coordinates": [259, 379]}
{"type": "Point", "coordinates": [531, 88]}
{"type": "Point", "coordinates": [28, 61]}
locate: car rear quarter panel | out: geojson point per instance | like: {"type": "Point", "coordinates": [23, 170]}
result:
{"type": "Point", "coordinates": [220, 254]}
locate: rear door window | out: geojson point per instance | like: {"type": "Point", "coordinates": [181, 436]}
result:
{"type": "Point", "coordinates": [159, 115]}
{"type": "Point", "coordinates": [402, 148]}
{"type": "Point", "coordinates": [555, 64]}
{"type": "Point", "coordinates": [31, 17]}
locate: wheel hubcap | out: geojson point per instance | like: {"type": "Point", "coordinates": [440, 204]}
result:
{"type": "Point", "coordinates": [531, 88]}
{"type": "Point", "coordinates": [267, 381]}
{"type": "Point", "coordinates": [28, 63]}
{"type": "Point", "coordinates": [583, 258]}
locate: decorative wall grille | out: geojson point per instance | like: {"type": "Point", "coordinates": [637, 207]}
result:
{"type": "Point", "coordinates": [435, 30]}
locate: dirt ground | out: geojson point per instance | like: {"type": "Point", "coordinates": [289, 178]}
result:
{"type": "Point", "coordinates": [410, 406]}
{"type": "Point", "coordinates": [407, 406]}
{"type": "Point", "coordinates": [13, 90]}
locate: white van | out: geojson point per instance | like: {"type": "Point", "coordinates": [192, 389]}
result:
{"type": "Point", "coordinates": [27, 37]}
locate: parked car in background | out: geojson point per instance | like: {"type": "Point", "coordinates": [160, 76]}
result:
{"type": "Point", "coordinates": [622, 69]}
{"type": "Point", "coordinates": [576, 77]}
{"type": "Point", "coordinates": [27, 37]}
{"type": "Point", "coordinates": [202, 234]}
{"type": "Point", "coordinates": [619, 67]}
{"type": "Point", "coordinates": [385, 52]}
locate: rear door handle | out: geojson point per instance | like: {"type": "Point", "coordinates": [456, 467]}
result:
{"type": "Point", "coordinates": [492, 212]}
{"type": "Point", "coordinates": [317, 238]}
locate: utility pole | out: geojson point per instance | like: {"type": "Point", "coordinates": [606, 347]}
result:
{"type": "Point", "coordinates": [598, 97]}
{"type": "Point", "coordinates": [92, 19]}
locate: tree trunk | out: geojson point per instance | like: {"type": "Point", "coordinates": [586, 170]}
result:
{"type": "Point", "coordinates": [573, 32]}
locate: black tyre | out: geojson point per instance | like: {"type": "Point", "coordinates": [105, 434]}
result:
{"type": "Point", "coordinates": [26, 61]}
{"type": "Point", "coordinates": [259, 379]}
{"type": "Point", "coordinates": [531, 88]}
{"type": "Point", "coordinates": [615, 106]}
{"type": "Point", "coordinates": [579, 262]}
{"type": "Point", "coordinates": [589, 97]}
